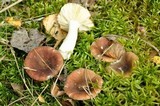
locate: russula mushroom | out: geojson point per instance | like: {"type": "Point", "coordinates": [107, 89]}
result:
{"type": "Point", "coordinates": [106, 50]}
{"type": "Point", "coordinates": [73, 17]}
{"type": "Point", "coordinates": [83, 84]}
{"type": "Point", "coordinates": [124, 65]}
{"type": "Point", "coordinates": [43, 63]}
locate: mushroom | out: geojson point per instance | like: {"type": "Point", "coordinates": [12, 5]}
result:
{"type": "Point", "coordinates": [83, 84]}
{"type": "Point", "coordinates": [124, 65]}
{"type": "Point", "coordinates": [72, 17]}
{"type": "Point", "coordinates": [43, 63]}
{"type": "Point", "coordinates": [107, 50]}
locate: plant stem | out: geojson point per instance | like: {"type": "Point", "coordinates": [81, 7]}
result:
{"type": "Point", "coordinates": [69, 42]}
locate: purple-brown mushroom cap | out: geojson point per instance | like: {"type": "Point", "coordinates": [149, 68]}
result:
{"type": "Point", "coordinates": [124, 65]}
{"type": "Point", "coordinates": [106, 50]}
{"type": "Point", "coordinates": [43, 63]}
{"type": "Point", "coordinates": [76, 84]}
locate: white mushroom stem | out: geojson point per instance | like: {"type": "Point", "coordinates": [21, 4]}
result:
{"type": "Point", "coordinates": [67, 47]}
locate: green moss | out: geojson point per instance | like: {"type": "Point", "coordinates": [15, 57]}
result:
{"type": "Point", "coordinates": [120, 17]}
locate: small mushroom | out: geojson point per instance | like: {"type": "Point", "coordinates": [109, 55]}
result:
{"type": "Point", "coordinates": [83, 84]}
{"type": "Point", "coordinates": [124, 65]}
{"type": "Point", "coordinates": [107, 50]}
{"type": "Point", "coordinates": [73, 18]}
{"type": "Point", "coordinates": [43, 63]}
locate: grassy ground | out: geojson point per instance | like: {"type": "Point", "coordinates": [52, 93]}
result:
{"type": "Point", "coordinates": [121, 17]}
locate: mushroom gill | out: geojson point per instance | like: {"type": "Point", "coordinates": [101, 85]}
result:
{"type": "Point", "coordinates": [107, 50]}
{"type": "Point", "coordinates": [124, 65]}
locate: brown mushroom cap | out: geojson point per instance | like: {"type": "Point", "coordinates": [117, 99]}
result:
{"type": "Point", "coordinates": [43, 63]}
{"type": "Point", "coordinates": [76, 84]}
{"type": "Point", "coordinates": [125, 64]}
{"type": "Point", "coordinates": [107, 50]}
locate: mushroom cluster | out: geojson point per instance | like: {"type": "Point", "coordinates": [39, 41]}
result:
{"type": "Point", "coordinates": [112, 51]}
{"type": "Point", "coordinates": [44, 62]}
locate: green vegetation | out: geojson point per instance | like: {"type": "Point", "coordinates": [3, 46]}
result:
{"type": "Point", "coordinates": [120, 17]}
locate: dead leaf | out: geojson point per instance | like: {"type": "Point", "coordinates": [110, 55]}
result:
{"type": "Point", "coordinates": [55, 91]}
{"type": "Point", "coordinates": [18, 88]}
{"type": "Point", "coordinates": [156, 59]}
{"type": "Point", "coordinates": [53, 28]}
{"type": "Point", "coordinates": [68, 102]}
{"type": "Point", "coordinates": [85, 3]}
{"type": "Point", "coordinates": [13, 22]}
{"type": "Point", "coordinates": [41, 99]}
{"type": "Point", "coordinates": [152, 53]}
{"type": "Point", "coordinates": [26, 41]}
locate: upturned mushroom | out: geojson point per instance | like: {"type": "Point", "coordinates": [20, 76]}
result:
{"type": "Point", "coordinates": [124, 65]}
{"type": "Point", "coordinates": [83, 84]}
{"type": "Point", "coordinates": [107, 50]}
{"type": "Point", "coordinates": [73, 18]}
{"type": "Point", "coordinates": [43, 63]}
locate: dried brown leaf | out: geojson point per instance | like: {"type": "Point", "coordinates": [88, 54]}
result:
{"type": "Point", "coordinates": [26, 41]}
{"type": "Point", "coordinates": [41, 99]}
{"type": "Point", "coordinates": [13, 22]}
{"type": "Point", "coordinates": [55, 91]}
{"type": "Point", "coordinates": [85, 3]}
{"type": "Point", "coordinates": [52, 28]}
{"type": "Point", "coordinates": [18, 88]}
{"type": "Point", "coordinates": [156, 59]}
{"type": "Point", "coordinates": [68, 102]}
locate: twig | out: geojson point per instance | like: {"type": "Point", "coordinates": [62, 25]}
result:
{"type": "Point", "coordinates": [4, 9]}
{"type": "Point", "coordinates": [23, 79]}
{"type": "Point", "coordinates": [20, 71]}
{"type": "Point", "coordinates": [155, 48]}
{"type": "Point", "coordinates": [43, 61]}
{"type": "Point", "coordinates": [147, 42]}
{"type": "Point", "coordinates": [17, 100]}
{"type": "Point", "coordinates": [89, 91]}
{"type": "Point", "coordinates": [39, 94]}
{"type": "Point", "coordinates": [54, 84]}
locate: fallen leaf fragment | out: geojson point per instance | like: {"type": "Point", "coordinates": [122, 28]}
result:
{"type": "Point", "coordinates": [52, 28]}
{"type": "Point", "coordinates": [13, 22]}
{"type": "Point", "coordinates": [26, 41]}
{"type": "Point", "coordinates": [156, 59]}
{"type": "Point", "coordinates": [85, 3]}
{"type": "Point", "coordinates": [41, 99]}
{"type": "Point", "coordinates": [68, 102]}
{"type": "Point", "coordinates": [55, 91]}
{"type": "Point", "coordinates": [18, 88]}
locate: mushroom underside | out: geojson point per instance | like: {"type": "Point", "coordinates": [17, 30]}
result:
{"type": "Point", "coordinates": [106, 50]}
{"type": "Point", "coordinates": [125, 64]}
